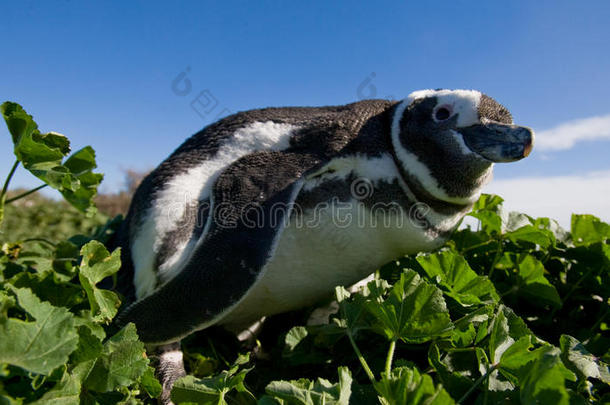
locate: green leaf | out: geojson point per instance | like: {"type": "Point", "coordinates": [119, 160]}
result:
{"type": "Point", "coordinates": [6, 302]}
{"type": "Point", "coordinates": [7, 400]}
{"type": "Point", "coordinates": [488, 210]}
{"type": "Point", "coordinates": [49, 287]}
{"type": "Point", "coordinates": [532, 234]}
{"type": "Point", "coordinates": [150, 384]}
{"type": "Point", "coordinates": [81, 163]}
{"type": "Point", "coordinates": [514, 357]}
{"type": "Point", "coordinates": [534, 284]}
{"type": "Point", "coordinates": [98, 264]}
{"type": "Point", "coordinates": [514, 221]}
{"type": "Point", "coordinates": [305, 392]}
{"type": "Point", "coordinates": [464, 335]}
{"type": "Point", "coordinates": [489, 202]}
{"type": "Point", "coordinates": [64, 259]}
{"type": "Point", "coordinates": [537, 372]}
{"type": "Point", "coordinates": [42, 345]}
{"type": "Point", "coordinates": [352, 310]}
{"type": "Point", "coordinates": [209, 390]}
{"type": "Point", "coordinates": [295, 336]}
{"type": "Point", "coordinates": [311, 344]}
{"type": "Point", "coordinates": [455, 382]}
{"type": "Point", "coordinates": [458, 279]}
{"type": "Point", "coordinates": [587, 229]}
{"type": "Point", "coordinates": [579, 360]}
{"type": "Point", "coordinates": [85, 318]}
{"type": "Point", "coordinates": [89, 346]}
{"type": "Point", "coordinates": [19, 123]}
{"type": "Point", "coordinates": [553, 226]}
{"type": "Point", "coordinates": [414, 310]}
{"type": "Point", "coordinates": [544, 383]}
{"type": "Point", "coordinates": [407, 386]}
{"type": "Point", "coordinates": [42, 155]}
{"type": "Point", "coordinates": [505, 330]}
{"type": "Point", "coordinates": [199, 364]}
{"type": "Point", "coordinates": [121, 363]}
{"type": "Point", "coordinates": [65, 392]}
{"type": "Point", "coordinates": [466, 329]}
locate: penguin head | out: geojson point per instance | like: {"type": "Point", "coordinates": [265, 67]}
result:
{"type": "Point", "coordinates": [448, 140]}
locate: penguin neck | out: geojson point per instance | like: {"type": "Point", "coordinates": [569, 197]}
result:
{"type": "Point", "coordinates": [440, 202]}
{"type": "Point", "coordinates": [448, 182]}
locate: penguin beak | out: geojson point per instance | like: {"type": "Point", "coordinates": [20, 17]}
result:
{"type": "Point", "coordinates": [499, 142]}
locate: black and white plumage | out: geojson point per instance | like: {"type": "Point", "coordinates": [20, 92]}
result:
{"type": "Point", "coordinates": [267, 210]}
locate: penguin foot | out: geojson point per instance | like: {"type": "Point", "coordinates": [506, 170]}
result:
{"type": "Point", "coordinates": [169, 368]}
{"type": "Point", "coordinates": [247, 337]}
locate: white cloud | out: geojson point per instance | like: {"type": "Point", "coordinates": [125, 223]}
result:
{"type": "Point", "coordinates": [557, 197]}
{"type": "Point", "coordinates": [565, 135]}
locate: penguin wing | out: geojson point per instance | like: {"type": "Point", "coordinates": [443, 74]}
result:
{"type": "Point", "coordinates": [251, 203]}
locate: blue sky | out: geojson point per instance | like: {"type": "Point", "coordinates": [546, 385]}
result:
{"type": "Point", "coordinates": [102, 72]}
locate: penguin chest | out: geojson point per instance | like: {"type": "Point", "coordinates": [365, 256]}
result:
{"type": "Point", "coordinates": [323, 247]}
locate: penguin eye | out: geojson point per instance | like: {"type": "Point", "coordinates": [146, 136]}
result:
{"type": "Point", "coordinates": [442, 113]}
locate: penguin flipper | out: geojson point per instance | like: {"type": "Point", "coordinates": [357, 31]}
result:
{"type": "Point", "coordinates": [251, 203]}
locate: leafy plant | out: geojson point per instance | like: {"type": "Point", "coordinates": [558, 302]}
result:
{"type": "Point", "coordinates": [42, 155]}
{"type": "Point", "coordinates": [53, 344]}
{"type": "Point", "coordinates": [502, 314]}
{"type": "Point", "coordinates": [514, 312]}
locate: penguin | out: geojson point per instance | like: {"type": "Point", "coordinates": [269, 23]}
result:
{"type": "Point", "coordinates": [267, 210]}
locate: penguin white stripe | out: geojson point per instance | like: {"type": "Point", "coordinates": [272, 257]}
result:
{"type": "Point", "coordinates": [459, 139]}
{"type": "Point", "coordinates": [373, 168]}
{"type": "Point", "coordinates": [172, 266]}
{"type": "Point", "coordinates": [464, 102]}
{"type": "Point", "coordinates": [476, 193]}
{"type": "Point", "coordinates": [274, 245]}
{"type": "Point", "coordinates": [411, 163]}
{"type": "Point", "coordinates": [420, 171]}
{"type": "Point", "coordinates": [196, 184]}
{"type": "Point", "coordinates": [441, 222]}
{"type": "Point", "coordinates": [254, 137]}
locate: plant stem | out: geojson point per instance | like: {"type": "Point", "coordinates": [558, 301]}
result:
{"type": "Point", "coordinates": [599, 321]}
{"type": "Point", "coordinates": [573, 289]}
{"type": "Point", "coordinates": [496, 258]}
{"type": "Point", "coordinates": [461, 349]}
{"type": "Point", "coordinates": [8, 179]}
{"type": "Point", "coordinates": [5, 189]}
{"type": "Point", "coordinates": [577, 283]}
{"type": "Point", "coordinates": [20, 196]}
{"type": "Point", "coordinates": [39, 240]}
{"type": "Point", "coordinates": [477, 383]}
{"type": "Point", "coordinates": [388, 361]}
{"type": "Point", "coordinates": [363, 362]}
{"type": "Point", "coordinates": [478, 245]}
{"type": "Point", "coordinates": [511, 290]}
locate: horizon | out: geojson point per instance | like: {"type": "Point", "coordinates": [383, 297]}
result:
{"type": "Point", "coordinates": [107, 76]}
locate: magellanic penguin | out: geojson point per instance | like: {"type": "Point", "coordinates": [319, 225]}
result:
{"type": "Point", "coordinates": [268, 210]}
